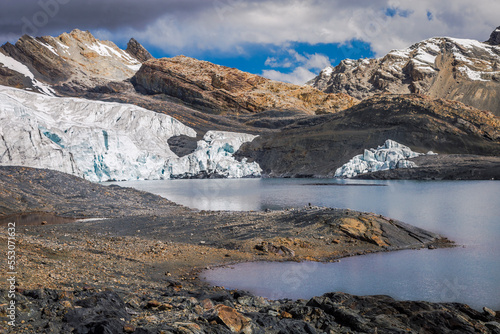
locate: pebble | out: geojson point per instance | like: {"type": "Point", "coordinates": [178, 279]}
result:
{"type": "Point", "coordinates": [128, 329]}
{"type": "Point", "coordinates": [273, 313]}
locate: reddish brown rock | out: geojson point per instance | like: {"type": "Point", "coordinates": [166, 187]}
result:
{"type": "Point", "coordinates": [234, 320]}
{"type": "Point", "coordinates": [221, 89]}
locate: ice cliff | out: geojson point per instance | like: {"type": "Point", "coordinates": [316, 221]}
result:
{"type": "Point", "coordinates": [391, 155]}
{"type": "Point", "coordinates": [214, 156]}
{"type": "Point", "coordinates": [102, 141]}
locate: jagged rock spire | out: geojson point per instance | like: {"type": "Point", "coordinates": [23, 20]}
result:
{"type": "Point", "coordinates": [494, 37]}
{"type": "Point", "coordinates": [136, 50]}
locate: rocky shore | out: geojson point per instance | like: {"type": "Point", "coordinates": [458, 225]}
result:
{"type": "Point", "coordinates": [133, 267]}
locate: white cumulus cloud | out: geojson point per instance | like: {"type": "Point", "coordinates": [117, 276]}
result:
{"type": "Point", "coordinates": [305, 66]}
{"type": "Point", "coordinates": [229, 27]}
{"type": "Point", "coordinates": [229, 24]}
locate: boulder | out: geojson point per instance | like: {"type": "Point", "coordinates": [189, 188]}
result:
{"type": "Point", "coordinates": [233, 320]}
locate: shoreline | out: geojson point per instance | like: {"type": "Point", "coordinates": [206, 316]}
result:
{"type": "Point", "coordinates": [137, 271]}
{"type": "Point", "coordinates": [52, 256]}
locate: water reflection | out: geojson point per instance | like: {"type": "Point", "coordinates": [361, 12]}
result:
{"type": "Point", "coordinates": [464, 211]}
{"type": "Point", "coordinates": [431, 275]}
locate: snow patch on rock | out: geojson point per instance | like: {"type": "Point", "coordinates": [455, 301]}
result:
{"type": "Point", "coordinates": [102, 141]}
{"type": "Point", "coordinates": [16, 66]}
{"type": "Point", "coordinates": [49, 47]}
{"type": "Point", "coordinates": [391, 155]}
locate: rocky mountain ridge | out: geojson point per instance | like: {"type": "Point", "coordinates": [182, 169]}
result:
{"type": "Point", "coordinates": [220, 89]}
{"type": "Point", "coordinates": [136, 50]}
{"type": "Point", "coordinates": [208, 97]}
{"type": "Point", "coordinates": [494, 37]}
{"type": "Point", "coordinates": [70, 63]}
{"type": "Point", "coordinates": [79, 65]}
{"type": "Point", "coordinates": [456, 69]}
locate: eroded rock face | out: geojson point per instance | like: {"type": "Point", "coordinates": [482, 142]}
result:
{"type": "Point", "coordinates": [220, 89]}
{"type": "Point", "coordinates": [457, 69]}
{"type": "Point", "coordinates": [317, 147]}
{"type": "Point", "coordinates": [495, 37]}
{"type": "Point", "coordinates": [70, 63]}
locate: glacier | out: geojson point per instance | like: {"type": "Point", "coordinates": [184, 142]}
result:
{"type": "Point", "coordinates": [105, 141]}
{"type": "Point", "coordinates": [214, 156]}
{"type": "Point", "coordinates": [391, 155]}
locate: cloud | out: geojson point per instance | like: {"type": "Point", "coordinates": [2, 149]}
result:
{"type": "Point", "coordinates": [48, 16]}
{"type": "Point", "coordinates": [230, 23]}
{"type": "Point", "coordinates": [299, 76]}
{"type": "Point", "coordinates": [305, 66]}
{"type": "Point", "coordinates": [228, 27]}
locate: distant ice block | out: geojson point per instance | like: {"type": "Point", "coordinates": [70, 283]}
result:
{"type": "Point", "coordinates": [214, 156]}
{"type": "Point", "coordinates": [391, 155]}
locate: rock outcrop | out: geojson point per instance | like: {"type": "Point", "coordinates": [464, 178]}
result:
{"type": "Point", "coordinates": [494, 37]}
{"type": "Point", "coordinates": [196, 310]}
{"type": "Point", "coordinates": [318, 146]}
{"type": "Point", "coordinates": [225, 90]}
{"type": "Point", "coordinates": [136, 50]}
{"type": "Point", "coordinates": [70, 63]}
{"type": "Point", "coordinates": [457, 69]}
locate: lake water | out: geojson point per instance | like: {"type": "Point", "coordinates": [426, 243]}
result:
{"type": "Point", "coordinates": [467, 212]}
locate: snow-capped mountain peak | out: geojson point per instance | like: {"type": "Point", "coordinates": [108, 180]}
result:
{"type": "Point", "coordinates": [69, 62]}
{"type": "Point", "coordinates": [465, 70]}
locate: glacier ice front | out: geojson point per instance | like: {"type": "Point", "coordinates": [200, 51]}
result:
{"type": "Point", "coordinates": [214, 156]}
{"type": "Point", "coordinates": [391, 155]}
{"type": "Point", "coordinates": [102, 141]}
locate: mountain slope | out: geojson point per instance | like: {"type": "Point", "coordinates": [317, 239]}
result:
{"type": "Point", "coordinates": [220, 89]}
{"type": "Point", "coordinates": [457, 69]}
{"type": "Point", "coordinates": [202, 95]}
{"type": "Point", "coordinates": [70, 63]}
{"type": "Point", "coordinates": [318, 146]}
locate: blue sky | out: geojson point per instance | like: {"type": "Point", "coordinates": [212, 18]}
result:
{"type": "Point", "coordinates": [281, 62]}
{"type": "Point", "coordinates": [289, 40]}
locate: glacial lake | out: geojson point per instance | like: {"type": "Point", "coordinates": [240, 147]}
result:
{"type": "Point", "coordinates": [467, 212]}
